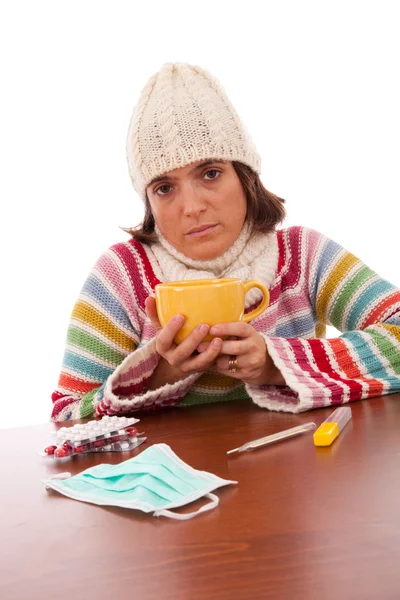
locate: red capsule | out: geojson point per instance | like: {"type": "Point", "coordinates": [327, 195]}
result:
{"type": "Point", "coordinates": [67, 445]}
{"type": "Point", "coordinates": [60, 452]}
{"type": "Point", "coordinates": [131, 430]}
{"type": "Point", "coordinates": [81, 448]}
{"type": "Point", "coordinates": [50, 449]}
{"type": "Point", "coordinates": [98, 443]}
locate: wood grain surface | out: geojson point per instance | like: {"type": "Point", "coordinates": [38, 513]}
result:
{"type": "Point", "coordinates": [302, 523]}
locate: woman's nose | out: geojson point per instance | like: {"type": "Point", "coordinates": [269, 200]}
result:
{"type": "Point", "coordinates": [194, 202]}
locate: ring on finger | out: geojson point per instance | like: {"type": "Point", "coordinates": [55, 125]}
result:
{"type": "Point", "coordinates": [233, 364]}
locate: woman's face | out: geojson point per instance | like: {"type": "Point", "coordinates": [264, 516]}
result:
{"type": "Point", "coordinates": [200, 209]}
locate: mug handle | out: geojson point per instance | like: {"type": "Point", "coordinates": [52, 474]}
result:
{"type": "Point", "coordinates": [257, 311]}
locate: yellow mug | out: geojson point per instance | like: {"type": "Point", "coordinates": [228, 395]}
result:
{"type": "Point", "coordinates": [209, 301]}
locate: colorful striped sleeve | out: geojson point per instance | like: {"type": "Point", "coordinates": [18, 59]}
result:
{"type": "Point", "coordinates": [103, 330]}
{"type": "Point", "coordinates": [364, 361]}
{"type": "Point", "coordinates": [110, 352]}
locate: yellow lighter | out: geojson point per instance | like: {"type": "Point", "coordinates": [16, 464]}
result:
{"type": "Point", "coordinates": [328, 431]}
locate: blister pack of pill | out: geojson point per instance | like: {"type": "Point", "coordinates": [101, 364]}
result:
{"type": "Point", "coordinates": [109, 434]}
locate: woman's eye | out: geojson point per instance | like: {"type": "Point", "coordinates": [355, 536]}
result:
{"type": "Point", "coordinates": [165, 188]}
{"type": "Point", "coordinates": [161, 187]}
{"type": "Point", "coordinates": [213, 171]}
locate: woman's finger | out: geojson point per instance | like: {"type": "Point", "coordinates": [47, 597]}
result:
{"type": "Point", "coordinates": [236, 328]}
{"type": "Point", "coordinates": [185, 349]}
{"type": "Point", "coordinates": [165, 336]}
{"type": "Point", "coordinates": [151, 312]}
{"type": "Point", "coordinates": [203, 361]}
{"type": "Point", "coordinates": [203, 346]}
{"type": "Point", "coordinates": [229, 347]}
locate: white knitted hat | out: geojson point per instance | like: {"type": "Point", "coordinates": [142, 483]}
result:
{"type": "Point", "coordinates": [183, 115]}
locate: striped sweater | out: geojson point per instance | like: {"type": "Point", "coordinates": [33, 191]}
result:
{"type": "Point", "coordinates": [110, 353]}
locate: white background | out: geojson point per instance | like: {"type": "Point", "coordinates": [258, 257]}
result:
{"type": "Point", "coordinates": [316, 84]}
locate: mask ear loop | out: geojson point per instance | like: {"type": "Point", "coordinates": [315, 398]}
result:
{"type": "Point", "coordinates": [183, 517]}
{"type": "Point", "coordinates": [65, 475]}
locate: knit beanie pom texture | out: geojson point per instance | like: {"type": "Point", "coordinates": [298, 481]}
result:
{"type": "Point", "coordinates": [183, 115]}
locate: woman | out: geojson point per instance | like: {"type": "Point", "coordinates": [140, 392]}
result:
{"type": "Point", "coordinates": [207, 214]}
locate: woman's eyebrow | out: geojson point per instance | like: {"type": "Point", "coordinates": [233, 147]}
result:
{"type": "Point", "coordinates": [204, 164]}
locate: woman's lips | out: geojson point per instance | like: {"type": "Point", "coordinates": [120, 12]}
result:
{"type": "Point", "coordinates": [202, 232]}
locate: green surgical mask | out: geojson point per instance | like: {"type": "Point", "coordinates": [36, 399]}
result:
{"type": "Point", "coordinates": [156, 480]}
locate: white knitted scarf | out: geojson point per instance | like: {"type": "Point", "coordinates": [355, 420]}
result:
{"type": "Point", "coordinates": [250, 257]}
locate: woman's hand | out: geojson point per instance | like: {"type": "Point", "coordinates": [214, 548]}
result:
{"type": "Point", "coordinates": [179, 360]}
{"type": "Point", "coordinates": [254, 364]}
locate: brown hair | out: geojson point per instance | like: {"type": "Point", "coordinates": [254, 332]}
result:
{"type": "Point", "coordinates": [265, 210]}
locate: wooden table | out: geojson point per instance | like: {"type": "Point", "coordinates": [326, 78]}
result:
{"type": "Point", "coordinates": [303, 523]}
